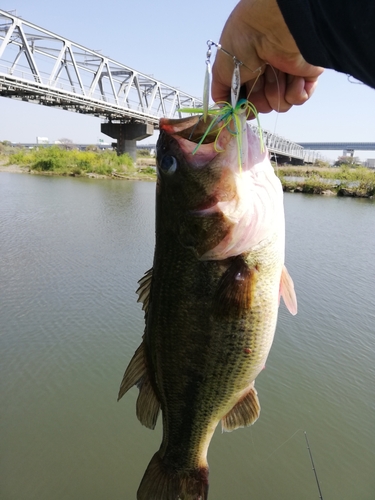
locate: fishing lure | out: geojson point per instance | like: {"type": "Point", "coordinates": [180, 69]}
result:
{"type": "Point", "coordinates": [236, 82]}
{"type": "Point", "coordinates": [233, 118]}
{"type": "Point", "coordinates": [236, 79]}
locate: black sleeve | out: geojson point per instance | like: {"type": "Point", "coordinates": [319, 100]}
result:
{"type": "Point", "coordinates": [337, 34]}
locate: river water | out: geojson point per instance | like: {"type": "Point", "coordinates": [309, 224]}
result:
{"type": "Point", "coordinates": [71, 252]}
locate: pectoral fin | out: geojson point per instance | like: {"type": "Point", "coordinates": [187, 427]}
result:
{"type": "Point", "coordinates": [244, 413]}
{"type": "Point", "coordinates": [235, 290]}
{"type": "Point", "coordinates": [287, 291]}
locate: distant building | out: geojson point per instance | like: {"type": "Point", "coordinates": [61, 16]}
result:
{"type": "Point", "coordinates": [42, 140]}
{"type": "Point", "coordinates": [370, 163]}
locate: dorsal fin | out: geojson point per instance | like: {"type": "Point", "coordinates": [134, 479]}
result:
{"type": "Point", "coordinates": [143, 290]}
{"type": "Point", "coordinates": [287, 291]}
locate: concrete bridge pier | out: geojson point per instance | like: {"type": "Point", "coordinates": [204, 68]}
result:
{"type": "Point", "coordinates": [127, 135]}
{"type": "Point", "coordinates": [347, 152]}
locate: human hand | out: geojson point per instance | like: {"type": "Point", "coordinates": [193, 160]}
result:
{"type": "Point", "coordinates": [257, 35]}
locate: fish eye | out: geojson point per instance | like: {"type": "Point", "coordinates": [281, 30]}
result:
{"type": "Point", "coordinates": [168, 164]}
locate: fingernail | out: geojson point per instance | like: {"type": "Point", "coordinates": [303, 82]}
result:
{"type": "Point", "coordinates": [310, 88]}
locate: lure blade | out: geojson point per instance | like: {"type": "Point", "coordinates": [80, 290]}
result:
{"type": "Point", "coordinates": [206, 91]}
{"type": "Point", "coordinates": [236, 84]}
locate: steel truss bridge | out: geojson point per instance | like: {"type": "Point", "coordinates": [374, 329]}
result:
{"type": "Point", "coordinates": [39, 66]}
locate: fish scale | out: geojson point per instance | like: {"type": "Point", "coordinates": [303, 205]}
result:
{"type": "Point", "coordinates": [210, 301]}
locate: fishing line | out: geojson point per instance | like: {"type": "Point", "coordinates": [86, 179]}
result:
{"type": "Point", "coordinates": [278, 95]}
{"type": "Point", "coordinates": [280, 446]}
{"type": "Point", "coordinates": [277, 112]}
{"type": "Point", "coordinates": [283, 444]}
{"type": "Point", "coordinates": [278, 105]}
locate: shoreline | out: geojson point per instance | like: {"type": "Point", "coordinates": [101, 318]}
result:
{"type": "Point", "coordinates": [305, 186]}
{"type": "Point", "coordinates": [16, 169]}
{"type": "Point", "coordinates": [13, 169]}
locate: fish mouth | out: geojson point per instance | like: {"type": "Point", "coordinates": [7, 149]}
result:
{"type": "Point", "coordinates": [197, 146]}
{"type": "Point", "coordinates": [191, 128]}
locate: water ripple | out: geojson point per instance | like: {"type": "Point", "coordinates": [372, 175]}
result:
{"type": "Point", "coordinates": [72, 252]}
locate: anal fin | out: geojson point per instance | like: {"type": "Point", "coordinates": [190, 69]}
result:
{"type": "Point", "coordinates": [243, 413]}
{"type": "Point", "coordinates": [148, 405]}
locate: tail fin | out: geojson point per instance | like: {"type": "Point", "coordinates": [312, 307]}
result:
{"type": "Point", "coordinates": [163, 482]}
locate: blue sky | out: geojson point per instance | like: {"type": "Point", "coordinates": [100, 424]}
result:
{"type": "Point", "coordinates": [167, 39]}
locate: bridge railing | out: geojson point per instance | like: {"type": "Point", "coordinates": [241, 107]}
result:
{"type": "Point", "coordinates": [279, 145]}
{"type": "Point", "coordinates": [52, 70]}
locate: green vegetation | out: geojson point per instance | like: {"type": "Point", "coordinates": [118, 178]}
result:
{"type": "Point", "coordinates": [149, 171]}
{"type": "Point", "coordinates": [59, 160]}
{"type": "Point", "coordinates": [63, 161]}
{"type": "Point", "coordinates": [344, 180]}
{"type": "Point", "coordinates": [143, 153]}
{"type": "Point", "coordinates": [351, 161]}
{"type": "Point", "coordinates": [5, 149]}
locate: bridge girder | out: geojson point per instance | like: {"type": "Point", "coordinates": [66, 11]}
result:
{"type": "Point", "coordinates": [39, 66]}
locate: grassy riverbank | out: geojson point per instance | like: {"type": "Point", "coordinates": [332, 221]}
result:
{"type": "Point", "coordinates": [341, 181]}
{"type": "Point", "coordinates": [56, 160]}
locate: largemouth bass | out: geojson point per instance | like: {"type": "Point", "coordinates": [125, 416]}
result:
{"type": "Point", "coordinates": [211, 299]}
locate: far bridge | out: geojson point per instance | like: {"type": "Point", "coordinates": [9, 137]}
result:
{"type": "Point", "coordinates": [345, 147]}
{"type": "Point", "coordinates": [39, 66]}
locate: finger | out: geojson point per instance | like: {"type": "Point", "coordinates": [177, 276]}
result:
{"type": "Point", "coordinates": [268, 94]}
{"type": "Point", "coordinates": [310, 86]}
{"type": "Point", "coordinates": [298, 90]}
{"type": "Point", "coordinates": [255, 94]}
{"type": "Point", "coordinates": [274, 89]}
